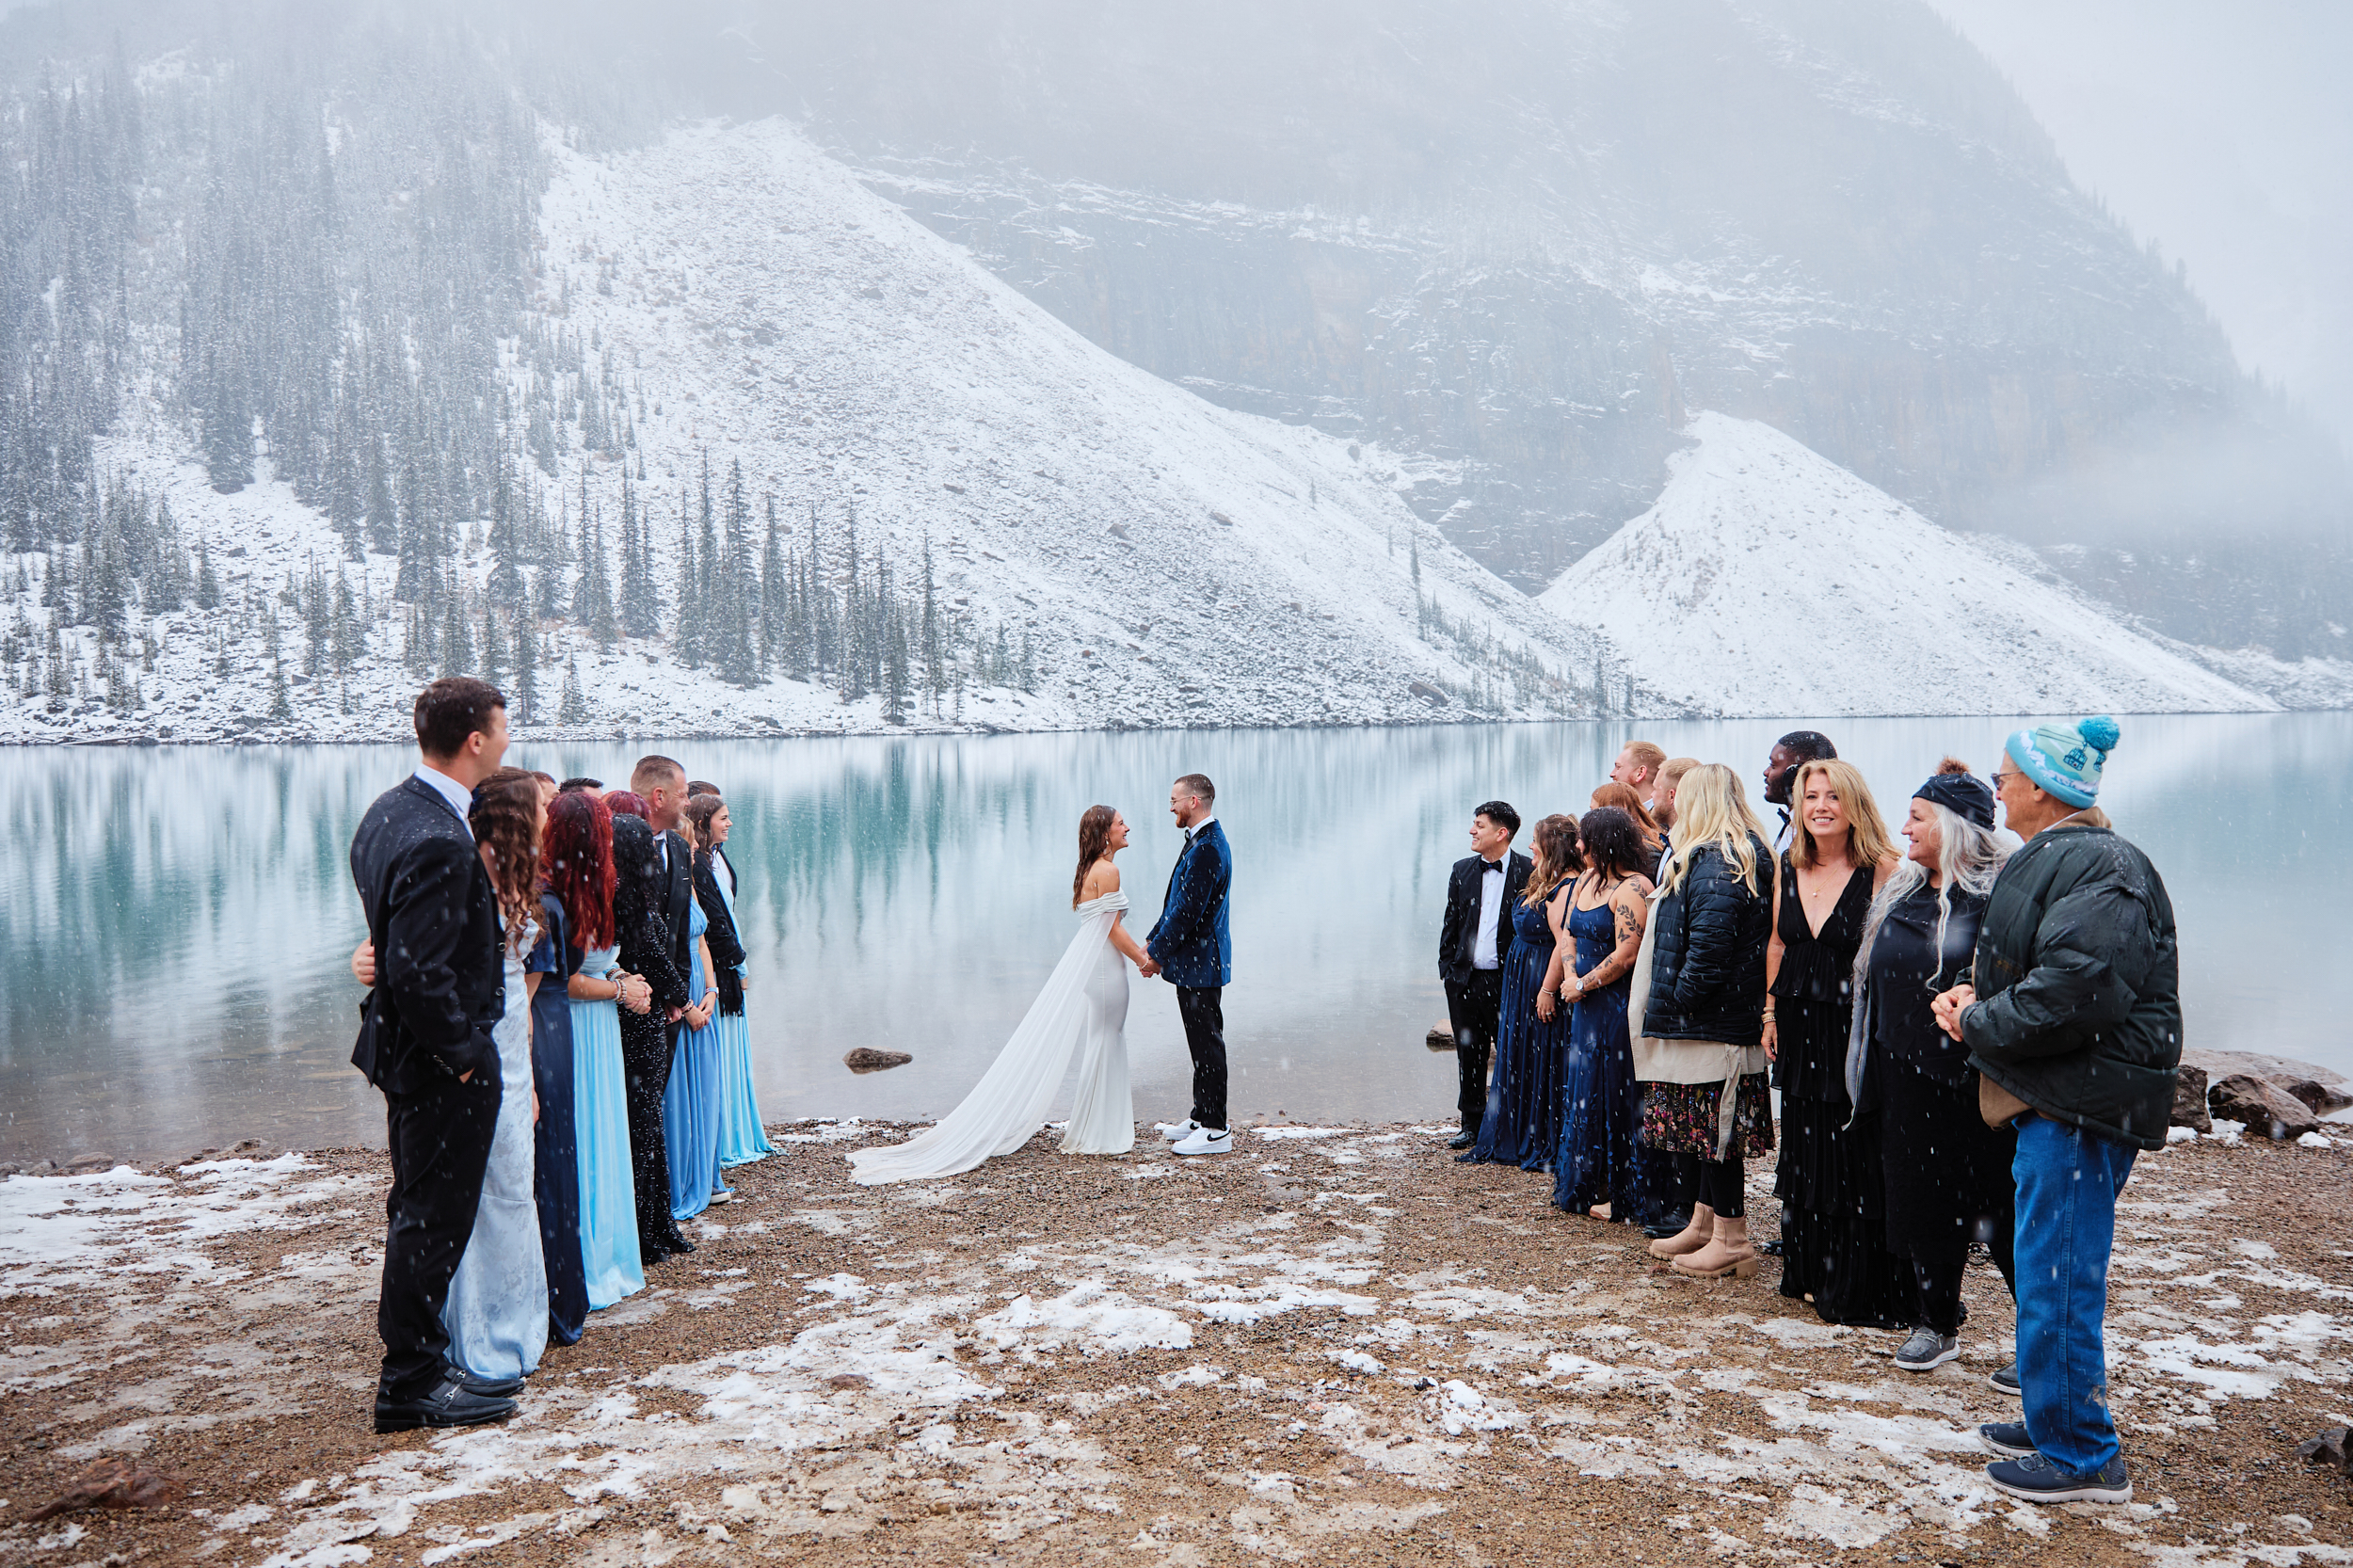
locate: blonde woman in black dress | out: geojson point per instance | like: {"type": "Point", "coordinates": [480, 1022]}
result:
{"type": "Point", "coordinates": [1833, 1221]}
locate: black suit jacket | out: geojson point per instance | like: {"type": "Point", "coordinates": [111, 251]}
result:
{"type": "Point", "coordinates": [1459, 935]}
{"type": "Point", "coordinates": [676, 894]}
{"type": "Point", "coordinates": [433, 916]}
{"type": "Point", "coordinates": [725, 943]}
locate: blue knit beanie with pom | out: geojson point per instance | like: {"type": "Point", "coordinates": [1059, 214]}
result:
{"type": "Point", "coordinates": [2065, 758]}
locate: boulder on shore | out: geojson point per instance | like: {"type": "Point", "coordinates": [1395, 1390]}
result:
{"type": "Point", "coordinates": [1441, 1035]}
{"type": "Point", "coordinates": [2325, 1099]}
{"type": "Point", "coordinates": [2189, 1098]}
{"type": "Point", "coordinates": [2267, 1110]}
{"type": "Point", "coordinates": [866, 1059]}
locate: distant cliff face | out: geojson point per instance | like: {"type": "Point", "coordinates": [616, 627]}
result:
{"type": "Point", "coordinates": [1521, 241]}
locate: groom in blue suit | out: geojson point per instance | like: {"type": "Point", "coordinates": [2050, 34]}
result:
{"type": "Point", "coordinates": [1195, 954]}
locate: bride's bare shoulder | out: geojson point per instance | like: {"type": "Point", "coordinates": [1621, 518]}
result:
{"type": "Point", "coordinates": [1102, 877]}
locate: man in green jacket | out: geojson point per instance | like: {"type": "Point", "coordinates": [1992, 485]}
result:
{"type": "Point", "coordinates": [2075, 1010]}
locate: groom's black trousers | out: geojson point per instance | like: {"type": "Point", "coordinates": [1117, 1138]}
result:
{"type": "Point", "coordinates": [1204, 1013]}
{"type": "Point", "coordinates": [1474, 1007]}
{"type": "Point", "coordinates": [439, 1138]}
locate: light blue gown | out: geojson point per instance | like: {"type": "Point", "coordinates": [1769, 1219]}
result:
{"type": "Point", "coordinates": [608, 1202]}
{"type": "Point", "coordinates": [690, 1105]}
{"type": "Point", "coordinates": [496, 1314]}
{"type": "Point", "coordinates": [741, 1138]}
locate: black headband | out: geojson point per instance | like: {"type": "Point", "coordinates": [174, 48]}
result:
{"type": "Point", "coordinates": [1964, 794]}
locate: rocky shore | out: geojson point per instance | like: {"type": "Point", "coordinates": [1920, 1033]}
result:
{"type": "Point", "coordinates": [1335, 1345]}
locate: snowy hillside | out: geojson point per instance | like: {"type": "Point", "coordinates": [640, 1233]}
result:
{"type": "Point", "coordinates": [1766, 579]}
{"type": "Point", "coordinates": [742, 300]}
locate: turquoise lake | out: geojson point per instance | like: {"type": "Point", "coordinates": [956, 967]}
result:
{"type": "Point", "coordinates": [174, 922]}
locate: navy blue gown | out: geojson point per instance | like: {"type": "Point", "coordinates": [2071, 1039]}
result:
{"type": "Point", "coordinates": [556, 1143]}
{"type": "Point", "coordinates": [1522, 1126]}
{"type": "Point", "coordinates": [1601, 1122]}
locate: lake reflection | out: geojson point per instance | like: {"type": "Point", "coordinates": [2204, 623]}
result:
{"type": "Point", "coordinates": [174, 922]}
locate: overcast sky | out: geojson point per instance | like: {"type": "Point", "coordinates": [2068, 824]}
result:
{"type": "Point", "coordinates": [2223, 129]}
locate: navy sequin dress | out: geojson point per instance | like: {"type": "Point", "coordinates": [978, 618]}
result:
{"type": "Point", "coordinates": [1522, 1126]}
{"type": "Point", "coordinates": [1601, 1124]}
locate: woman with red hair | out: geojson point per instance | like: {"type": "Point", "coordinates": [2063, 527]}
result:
{"type": "Point", "coordinates": [580, 876]}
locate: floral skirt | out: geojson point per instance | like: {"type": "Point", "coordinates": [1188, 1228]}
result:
{"type": "Point", "coordinates": [1680, 1118]}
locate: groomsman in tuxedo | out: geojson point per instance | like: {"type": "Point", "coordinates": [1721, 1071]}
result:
{"type": "Point", "coordinates": [1196, 952]}
{"type": "Point", "coordinates": [424, 1040]}
{"type": "Point", "coordinates": [1473, 942]}
{"type": "Point", "coordinates": [662, 783]}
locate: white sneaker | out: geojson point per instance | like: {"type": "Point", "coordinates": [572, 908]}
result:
{"type": "Point", "coordinates": [1175, 1132]}
{"type": "Point", "coordinates": [1206, 1140]}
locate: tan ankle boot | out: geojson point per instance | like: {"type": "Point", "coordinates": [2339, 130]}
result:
{"type": "Point", "coordinates": [1727, 1253]}
{"type": "Point", "coordinates": [1691, 1237]}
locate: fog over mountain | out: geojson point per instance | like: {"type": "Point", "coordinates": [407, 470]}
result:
{"type": "Point", "coordinates": [314, 385]}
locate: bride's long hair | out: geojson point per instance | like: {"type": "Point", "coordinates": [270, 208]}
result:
{"type": "Point", "coordinates": [1095, 835]}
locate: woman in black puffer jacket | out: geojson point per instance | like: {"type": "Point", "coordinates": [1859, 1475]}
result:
{"type": "Point", "coordinates": [1699, 1048]}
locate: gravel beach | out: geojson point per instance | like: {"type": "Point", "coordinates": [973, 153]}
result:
{"type": "Point", "coordinates": [1334, 1345]}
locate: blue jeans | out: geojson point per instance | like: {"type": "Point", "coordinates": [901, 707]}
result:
{"type": "Point", "coordinates": [2068, 1180]}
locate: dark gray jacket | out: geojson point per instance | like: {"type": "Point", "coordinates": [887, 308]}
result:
{"type": "Point", "coordinates": [2079, 978]}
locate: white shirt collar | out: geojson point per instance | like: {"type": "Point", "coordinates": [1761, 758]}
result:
{"type": "Point", "coordinates": [461, 798]}
{"type": "Point", "coordinates": [1198, 828]}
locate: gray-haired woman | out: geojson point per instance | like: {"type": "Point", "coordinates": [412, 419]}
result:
{"type": "Point", "coordinates": [1948, 1174]}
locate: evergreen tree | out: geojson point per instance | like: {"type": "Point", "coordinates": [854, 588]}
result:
{"type": "Point", "coordinates": [527, 668]}
{"type": "Point", "coordinates": [933, 650]}
{"type": "Point", "coordinates": [456, 640]}
{"type": "Point", "coordinates": [774, 592]}
{"type": "Point", "coordinates": [641, 603]}
{"type": "Point", "coordinates": [207, 585]}
{"type": "Point", "coordinates": [229, 434]}
{"type": "Point", "coordinates": [895, 674]}
{"type": "Point", "coordinates": [734, 589]}
{"type": "Point", "coordinates": [600, 620]}
{"type": "Point", "coordinates": [347, 507]}
{"type": "Point", "coordinates": [493, 647]}
{"type": "Point", "coordinates": [506, 588]}
{"type": "Point", "coordinates": [383, 518]}
{"type": "Point", "coordinates": [688, 640]}
{"type": "Point", "coordinates": [575, 705]}
{"type": "Point", "coordinates": [279, 707]}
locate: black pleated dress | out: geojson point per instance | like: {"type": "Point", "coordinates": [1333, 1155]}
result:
{"type": "Point", "coordinates": [1834, 1225]}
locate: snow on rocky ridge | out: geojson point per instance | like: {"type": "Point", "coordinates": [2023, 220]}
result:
{"type": "Point", "coordinates": [1766, 577]}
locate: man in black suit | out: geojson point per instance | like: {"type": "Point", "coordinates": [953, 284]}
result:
{"type": "Point", "coordinates": [424, 1040]}
{"type": "Point", "coordinates": [1473, 943]}
{"type": "Point", "coordinates": [661, 784]}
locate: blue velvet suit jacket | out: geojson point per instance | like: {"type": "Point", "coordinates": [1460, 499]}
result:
{"type": "Point", "coordinates": [1190, 941]}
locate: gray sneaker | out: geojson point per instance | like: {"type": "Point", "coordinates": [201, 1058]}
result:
{"type": "Point", "coordinates": [2006, 1380]}
{"type": "Point", "coordinates": [1928, 1350]}
{"type": "Point", "coordinates": [2006, 1439]}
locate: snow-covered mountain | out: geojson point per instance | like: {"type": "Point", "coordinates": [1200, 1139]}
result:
{"type": "Point", "coordinates": [1158, 560]}
{"type": "Point", "coordinates": [1766, 578]}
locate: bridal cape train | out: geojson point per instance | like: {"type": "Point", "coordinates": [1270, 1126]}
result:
{"type": "Point", "coordinates": [1082, 1011]}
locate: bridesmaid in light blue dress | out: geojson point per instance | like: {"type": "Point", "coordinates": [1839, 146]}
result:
{"type": "Point", "coordinates": [580, 873]}
{"type": "Point", "coordinates": [741, 1138]}
{"type": "Point", "coordinates": [689, 1104]}
{"type": "Point", "coordinates": [496, 1313]}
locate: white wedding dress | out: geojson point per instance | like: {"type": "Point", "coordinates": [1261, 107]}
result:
{"type": "Point", "coordinates": [1082, 1011]}
{"type": "Point", "coordinates": [497, 1311]}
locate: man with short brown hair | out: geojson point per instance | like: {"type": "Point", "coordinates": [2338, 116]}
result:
{"type": "Point", "coordinates": [660, 782]}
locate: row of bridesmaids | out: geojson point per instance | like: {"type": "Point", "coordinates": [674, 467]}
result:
{"type": "Point", "coordinates": [1665, 959]}
{"type": "Point", "coordinates": [560, 1231]}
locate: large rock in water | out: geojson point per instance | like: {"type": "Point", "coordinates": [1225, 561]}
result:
{"type": "Point", "coordinates": [2269, 1110]}
{"type": "Point", "coordinates": [2189, 1098]}
{"type": "Point", "coordinates": [2325, 1098]}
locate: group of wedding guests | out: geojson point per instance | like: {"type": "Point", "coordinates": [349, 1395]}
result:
{"type": "Point", "coordinates": [1972, 1032]}
{"type": "Point", "coordinates": [555, 1017]}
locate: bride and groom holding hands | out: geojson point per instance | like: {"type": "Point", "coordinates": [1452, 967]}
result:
{"type": "Point", "coordinates": [1082, 1013]}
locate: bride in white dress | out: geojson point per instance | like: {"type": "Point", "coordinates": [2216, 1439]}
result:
{"type": "Point", "coordinates": [1082, 1011]}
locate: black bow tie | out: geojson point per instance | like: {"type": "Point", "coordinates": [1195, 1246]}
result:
{"type": "Point", "coordinates": [1495, 867]}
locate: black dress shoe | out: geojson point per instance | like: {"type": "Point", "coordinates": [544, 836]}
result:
{"type": "Point", "coordinates": [675, 1242]}
{"type": "Point", "coordinates": [489, 1389]}
{"type": "Point", "coordinates": [449, 1403]}
{"type": "Point", "coordinates": [1462, 1140]}
{"type": "Point", "coordinates": [1668, 1225]}
{"type": "Point", "coordinates": [1771, 1248]}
